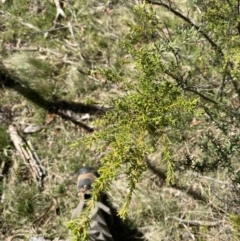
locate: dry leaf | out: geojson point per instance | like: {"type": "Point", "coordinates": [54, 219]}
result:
{"type": "Point", "coordinates": [50, 118]}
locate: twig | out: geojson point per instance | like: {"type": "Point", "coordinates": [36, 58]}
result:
{"type": "Point", "coordinates": [189, 89]}
{"type": "Point", "coordinates": [201, 95]}
{"type": "Point", "coordinates": [215, 180]}
{"type": "Point", "coordinates": [70, 27]}
{"type": "Point", "coordinates": [38, 161]}
{"type": "Point", "coordinates": [194, 222]}
{"type": "Point", "coordinates": [26, 49]}
{"type": "Point", "coordinates": [60, 11]}
{"type": "Point", "coordinates": [31, 26]}
{"type": "Point", "coordinates": [18, 143]}
{"type": "Point", "coordinates": [76, 122]}
{"type": "Point", "coordinates": [186, 227]}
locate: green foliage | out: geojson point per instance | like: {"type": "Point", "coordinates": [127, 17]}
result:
{"type": "Point", "coordinates": [143, 119]}
{"type": "Point", "coordinates": [179, 63]}
{"type": "Point", "coordinates": [78, 227]}
{"type": "Point", "coordinates": [220, 152]}
{"type": "Point", "coordinates": [176, 72]}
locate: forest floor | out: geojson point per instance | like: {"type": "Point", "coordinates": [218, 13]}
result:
{"type": "Point", "coordinates": [51, 90]}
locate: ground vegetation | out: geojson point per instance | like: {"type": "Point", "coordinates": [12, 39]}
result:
{"type": "Point", "coordinates": [145, 92]}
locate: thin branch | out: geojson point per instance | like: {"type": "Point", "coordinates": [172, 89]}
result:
{"type": "Point", "coordinates": [180, 82]}
{"type": "Point", "coordinates": [170, 8]}
{"type": "Point", "coordinates": [186, 19]}
{"type": "Point", "coordinates": [186, 227]}
{"type": "Point", "coordinates": [201, 95]}
{"type": "Point", "coordinates": [223, 84]}
{"type": "Point", "coordinates": [234, 82]}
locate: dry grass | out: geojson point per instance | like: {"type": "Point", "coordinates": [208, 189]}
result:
{"type": "Point", "coordinates": [59, 61]}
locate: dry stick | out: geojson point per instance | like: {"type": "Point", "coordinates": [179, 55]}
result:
{"type": "Point", "coordinates": [59, 12]}
{"type": "Point", "coordinates": [26, 49]}
{"type": "Point", "coordinates": [186, 227]}
{"type": "Point", "coordinates": [19, 145]}
{"type": "Point", "coordinates": [35, 157]}
{"type": "Point", "coordinates": [29, 156]}
{"type": "Point", "coordinates": [194, 222]}
{"type": "Point", "coordinates": [70, 27]}
{"type": "Point", "coordinates": [29, 25]}
{"type": "Point", "coordinates": [12, 237]}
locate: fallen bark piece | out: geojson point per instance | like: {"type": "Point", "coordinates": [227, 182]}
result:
{"type": "Point", "coordinates": [28, 155]}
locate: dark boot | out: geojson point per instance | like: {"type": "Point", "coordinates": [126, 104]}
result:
{"type": "Point", "coordinates": [101, 217]}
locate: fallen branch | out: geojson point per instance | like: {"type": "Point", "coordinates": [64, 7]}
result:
{"type": "Point", "coordinates": [28, 155]}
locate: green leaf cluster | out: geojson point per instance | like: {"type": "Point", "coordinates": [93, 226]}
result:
{"type": "Point", "coordinates": [150, 110]}
{"type": "Point", "coordinates": [181, 70]}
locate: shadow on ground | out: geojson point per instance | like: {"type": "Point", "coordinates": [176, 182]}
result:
{"type": "Point", "coordinates": [189, 190]}
{"type": "Point", "coordinates": [124, 230]}
{"type": "Point", "coordinates": [56, 106]}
